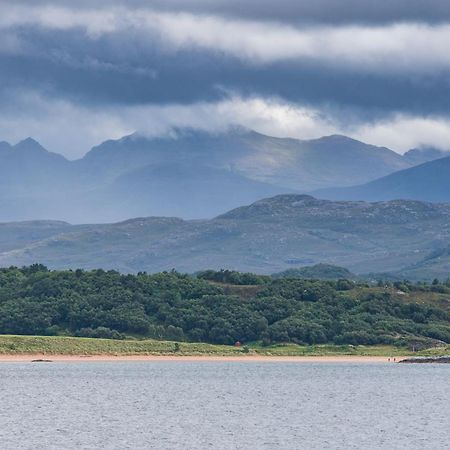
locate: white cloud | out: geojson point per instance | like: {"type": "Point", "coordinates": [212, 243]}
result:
{"type": "Point", "coordinates": [411, 47]}
{"type": "Point", "coordinates": [403, 132]}
{"type": "Point", "coordinates": [94, 22]}
{"type": "Point", "coordinates": [400, 46]}
{"type": "Point", "coordinates": [60, 126]}
{"type": "Point", "coordinates": [73, 129]}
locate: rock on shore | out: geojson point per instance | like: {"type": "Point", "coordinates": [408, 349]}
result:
{"type": "Point", "coordinates": [427, 359]}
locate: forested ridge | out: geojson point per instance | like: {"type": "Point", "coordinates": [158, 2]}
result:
{"type": "Point", "coordinates": [211, 307]}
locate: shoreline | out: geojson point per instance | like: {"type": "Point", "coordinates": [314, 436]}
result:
{"type": "Point", "coordinates": [40, 357]}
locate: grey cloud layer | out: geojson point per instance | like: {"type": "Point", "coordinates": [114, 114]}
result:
{"type": "Point", "coordinates": [401, 47]}
{"type": "Point", "coordinates": [357, 63]}
{"type": "Point", "coordinates": [290, 11]}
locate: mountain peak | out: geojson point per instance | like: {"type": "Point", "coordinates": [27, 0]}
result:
{"type": "Point", "coordinates": [342, 140]}
{"type": "Point", "coordinates": [31, 149]}
{"type": "Point", "coordinates": [288, 198]}
{"type": "Point", "coordinates": [29, 144]}
{"type": "Point", "coordinates": [273, 206]}
{"type": "Point", "coordinates": [337, 138]}
{"type": "Point", "coordinates": [5, 146]}
{"type": "Point", "coordinates": [421, 155]}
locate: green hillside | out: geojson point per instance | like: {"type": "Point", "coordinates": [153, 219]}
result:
{"type": "Point", "coordinates": [177, 307]}
{"type": "Point", "coordinates": [318, 272]}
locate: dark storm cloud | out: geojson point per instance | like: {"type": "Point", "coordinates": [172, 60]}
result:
{"type": "Point", "coordinates": [115, 70]}
{"type": "Point", "coordinates": [325, 11]}
{"type": "Point", "coordinates": [290, 11]}
{"type": "Point", "coordinates": [355, 62]}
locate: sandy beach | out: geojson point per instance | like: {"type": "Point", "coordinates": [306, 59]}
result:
{"type": "Point", "coordinates": [173, 358]}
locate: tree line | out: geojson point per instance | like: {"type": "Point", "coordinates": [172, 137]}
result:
{"type": "Point", "coordinates": [37, 301]}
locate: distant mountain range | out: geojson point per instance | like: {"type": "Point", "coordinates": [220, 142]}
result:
{"type": "Point", "coordinates": [407, 238]}
{"type": "Point", "coordinates": [290, 163]}
{"type": "Point", "coordinates": [421, 155]}
{"type": "Point", "coordinates": [189, 174]}
{"type": "Point", "coordinates": [427, 182]}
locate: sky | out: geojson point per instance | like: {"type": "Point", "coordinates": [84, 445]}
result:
{"type": "Point", "coordinates": [73, 74]}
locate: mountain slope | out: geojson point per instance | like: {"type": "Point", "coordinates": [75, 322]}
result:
{"type": "Point", "coordinates": [436, 263]}
{"type": "Point", "coordinates": [27, 168]}
{"type": "Point", "coordinates": [422, 155]}
{"type": "Point", "coordinates": [285, 162]}
{"type": "Point", "coordinates": [426, 182]}
{"type": "Point", "coordinates": [184, 190]}
{"type": "Point", "coordinates": [34, 183]}
{"type": "Point", "coordinates": [267, 236]}
{"type": "Point", "coordinates": [191, 174]}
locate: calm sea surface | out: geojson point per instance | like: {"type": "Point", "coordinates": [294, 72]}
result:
{"type": "Point", "coordinates": [224, 405]}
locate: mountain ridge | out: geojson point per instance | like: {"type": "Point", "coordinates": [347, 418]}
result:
{"type": "Point", "coordinates": [425, 182]}
{"type": "Point", "coordinates": [268, 236]}
{"type": "Point", "coordinates": [189, 173]}
{"type": "Point", "coordinates": [421, 155]}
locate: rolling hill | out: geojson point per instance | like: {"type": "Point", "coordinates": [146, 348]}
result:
{"type": "Point", "coordinates": [268, 236]}
{"type": "Point", "coordinates": [317, 272]}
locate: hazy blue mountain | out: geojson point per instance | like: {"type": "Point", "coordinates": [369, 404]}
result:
{"type": "Point", "coordinates": [34, 183]}
{"type": "Point", "coordinates": [268, 236]}
{"type": "Point", "coordinates": [427, 182]}
{"type": "Point", "coordinates": [5, 148]}
{"type": "Point", "coordinates": [27, 167]}
{"type": "Point", "coordinates": [291, 163]}
{"type": "Point", "coordinates": [184, 190]}
{"type": "Point", "coordinates": [191, 174]}
{"type": "Point", "coordinates": [421, 155]}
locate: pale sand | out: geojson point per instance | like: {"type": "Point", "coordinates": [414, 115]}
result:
{"type": "Point", "coordinates": [206, 358]}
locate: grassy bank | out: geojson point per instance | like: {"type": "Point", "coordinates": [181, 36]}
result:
{"type": "Point", "coordinates": [56, 345]}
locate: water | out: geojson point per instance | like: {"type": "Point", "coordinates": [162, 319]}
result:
{"type": "Point", "coordinates": [224, 405]}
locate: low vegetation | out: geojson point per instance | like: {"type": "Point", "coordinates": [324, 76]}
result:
{"type": "Point", "coordinates": [63, 345]}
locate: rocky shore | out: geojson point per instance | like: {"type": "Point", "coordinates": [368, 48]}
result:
{"type": "Point", "coordinates": [427, 359]}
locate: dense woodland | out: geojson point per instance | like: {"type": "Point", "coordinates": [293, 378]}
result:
{"type": "Point", "coordinates": [221, 307]}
